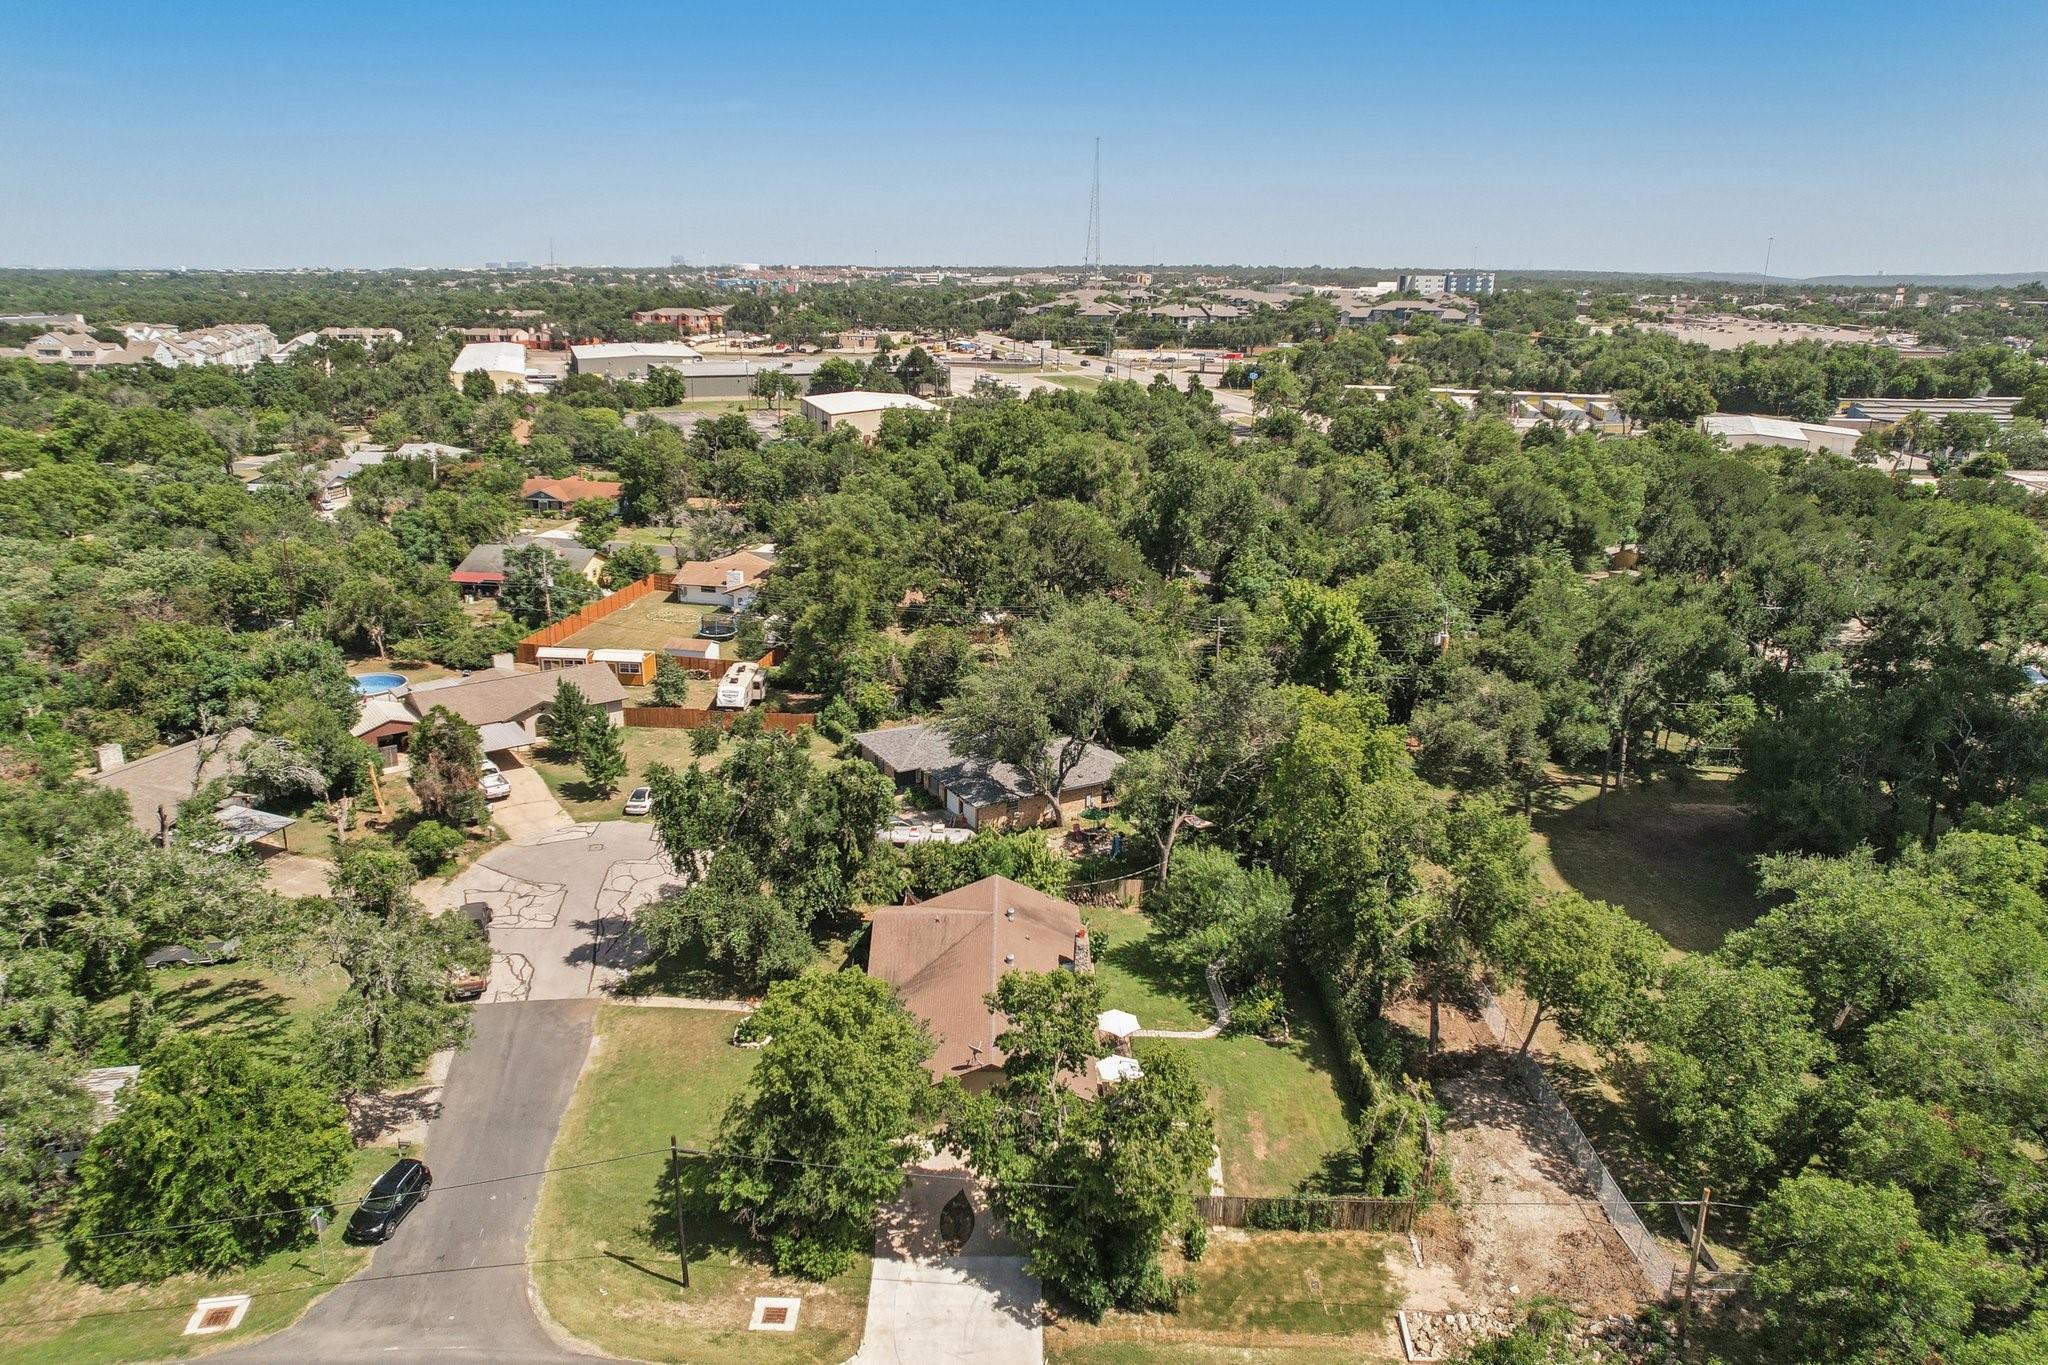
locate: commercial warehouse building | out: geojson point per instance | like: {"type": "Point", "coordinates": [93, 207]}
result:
{"type": "Point", "coordinates": [632, 359]}
{"type": "Point", "coordinates": [858, 409]}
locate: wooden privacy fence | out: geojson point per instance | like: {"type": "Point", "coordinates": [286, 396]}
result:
{"type": "Point", "coordinates": [528, 650]}
{"type": "Point", "coordinates": [1300, 1213]}
{"type": "Point", "coordinates": [690, 717]}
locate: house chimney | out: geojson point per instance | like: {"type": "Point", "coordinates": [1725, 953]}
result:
{"type": "Point", "coordinates": [110, 757]}
{"type": "Point", "coordinates": [1084, 956]}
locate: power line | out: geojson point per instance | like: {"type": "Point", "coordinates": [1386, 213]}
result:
{"type": "Point", "coordinates": [758, 1159]}
{"type": "Point", "coordinates": [310, 1209]}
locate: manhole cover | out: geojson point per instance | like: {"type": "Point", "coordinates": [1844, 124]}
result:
{"type": "Point", "coordinates": [211, 1316]}
{"type": "Point", "coordinates": [774, 1315]}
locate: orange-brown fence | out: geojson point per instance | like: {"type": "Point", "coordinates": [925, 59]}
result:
{"type": "Point", "coordinates": [690, 717]}
{"type": "Point", "coordinates": [528, 650]}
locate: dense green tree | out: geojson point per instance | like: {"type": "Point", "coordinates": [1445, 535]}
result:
{"type": "Point", "coordinates": [1728, 1051]}
{"type": "Point", "coordinates": [1850, 1274]}
{"type": "Point", "coordinates": [1091, 1187]}
{"type": "Point", "coordinates": [1090, 668]}
{"type": "Point", "coordinates": [211, 1164]}
{"type": "Point", "coordinates": [1211, 763]}
{"type": "Point", "coordinates": [540, 586]}
{"type": "Point", "coordinates": [43, 1112]}
{"type": "Point", "coordinates": [1212, 908]}
{"type": "Point", "coordinates": [815, 1143]}
{"type": "Point", "coordinates": [1483, 733]}
{"type": "Point", "coordinates": [1585, 964]}
{"type": "Point", "coordinates": [447, 757]}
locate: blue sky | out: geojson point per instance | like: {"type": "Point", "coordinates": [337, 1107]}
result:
{"type": "Point", "coordinates": [1863, 137]}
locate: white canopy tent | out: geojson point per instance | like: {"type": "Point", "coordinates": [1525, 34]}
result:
{"type": "Point", "coordinates": [1117, 1023]}
{"type": "Point", "coordinates": [1110, 1070]}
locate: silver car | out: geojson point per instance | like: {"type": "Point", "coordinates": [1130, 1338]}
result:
{"type": "Point", "coordinates": [640, 801]}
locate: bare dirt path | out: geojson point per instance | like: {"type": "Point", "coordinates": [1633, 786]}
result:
{"type": "Point", "coordinates": [1525, 1220]}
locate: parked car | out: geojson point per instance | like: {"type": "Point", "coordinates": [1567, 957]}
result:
{"type": "Point", "coordinates": [389, 1200]}
{"type": "Point", "coordinates": [495, 787]}
{"type": "Point", "coordinates": [205, 955]}
{"type": "Point", "coordinates": [640, 801]}
{"type": "Point", "coordinates": [468, 985]}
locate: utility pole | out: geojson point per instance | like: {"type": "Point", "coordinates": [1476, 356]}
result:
{"type": "Point", "coordinates": [1093, 264]}
{"type": "Point", "coordinates": [1692, 1269]}
{"type": "Point", "coordinates": [675, 1184]}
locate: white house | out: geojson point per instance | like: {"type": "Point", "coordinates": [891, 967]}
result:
{"type": "Point", "coordinates": [731, 581]}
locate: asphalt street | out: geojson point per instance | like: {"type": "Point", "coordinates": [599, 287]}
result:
{"type": "Point", "coordinates": [452, 1284]}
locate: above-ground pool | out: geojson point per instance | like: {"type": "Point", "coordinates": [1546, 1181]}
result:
{"type": "Point", "coordinates": [373, 684]}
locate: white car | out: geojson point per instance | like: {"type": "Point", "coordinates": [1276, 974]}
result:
{"type": "Point", "coordinates": [492, 781]}
{"type": "Point", "coordinates": [640, 801]}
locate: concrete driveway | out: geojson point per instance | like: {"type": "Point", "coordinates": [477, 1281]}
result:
{"type": "Point", "coordinates": [975, 1304]}
{"type": "Point", "coordinates": [562, 907]}
{"type": "Point", "coordinates": [452, 1284]}
{"type": "Point", "coordinates": [531, 811]}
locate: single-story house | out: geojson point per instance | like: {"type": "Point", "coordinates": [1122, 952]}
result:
{"type": "Point", "coordinates": [980, 793]}
{"type": "Point", "coordinates": [157, 784]}
{"type": "Point", "coordinates": [549, 496]}
{"type": "Point", "coordinates": [503, 361]}
{"type": "Point", "coordinates": [504, 705]}
{"type": "Point", "coordinates": [482, 571]}
{"type": "Point", "coordinates": [858, 409]}
{"type": "Point", "coordinates": [946, 954]}
{"type": "Point", "coordinates": [730, 581]}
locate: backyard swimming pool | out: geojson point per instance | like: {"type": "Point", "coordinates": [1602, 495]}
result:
{"type": "Point", "coordinates": [374, 684]}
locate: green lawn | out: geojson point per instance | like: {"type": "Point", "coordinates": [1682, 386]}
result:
{"type": "Point", "coordinates": [1281, 1109]}
{"type": "Point", "coordinates": [1137, 978]}
{"type": "Point", "coordinates": [605, 1257]}
{"type": "Point", "coordinates": [1263, 1297]}
{"type": "Point", "coordinates": [1081, 383]}
{"type": "Point", "coordinates": [51, 1317]}
{"type": "Point", "coordinates": [1677, 857]}
{"type": "Point", "coordinates": [238, 997]}
{"type": "Point", "coordinates": [644, 748]}
{"type": "Point", "coordinates": [648, 623]}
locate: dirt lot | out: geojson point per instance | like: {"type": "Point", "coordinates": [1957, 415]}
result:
{"type": "Point", "coordinates": [1525, 1222]}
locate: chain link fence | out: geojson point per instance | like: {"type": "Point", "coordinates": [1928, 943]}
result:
{"type": "Point", "coordinates": [1659, 1269]}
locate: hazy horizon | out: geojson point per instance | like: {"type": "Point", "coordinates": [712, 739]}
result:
{"type": "Point", "coordinates": [1511, 137]}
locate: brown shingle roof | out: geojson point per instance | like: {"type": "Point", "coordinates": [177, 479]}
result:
{"type": "Point", "coordinates": [710, 573]}
{"type": "Point", "coordinates": [945, 955]}
{"type": "Point", "coordinates": [492, 697]}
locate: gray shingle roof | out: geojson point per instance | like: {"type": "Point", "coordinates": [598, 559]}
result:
{"type": "Point", "coordinates": [928, 749]}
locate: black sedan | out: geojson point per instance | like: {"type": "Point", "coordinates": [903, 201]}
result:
{"type": "Point", "coordinates": [389, 1200]}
